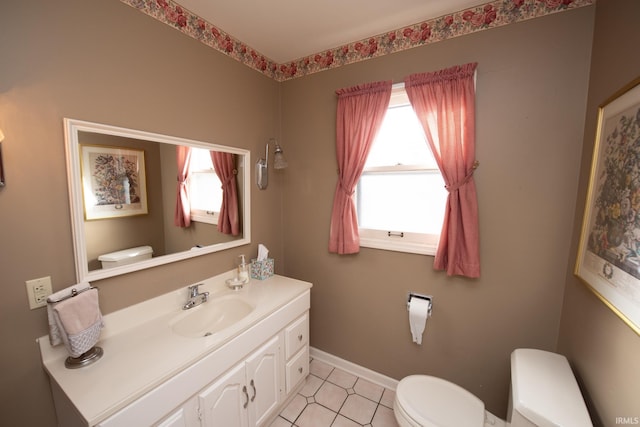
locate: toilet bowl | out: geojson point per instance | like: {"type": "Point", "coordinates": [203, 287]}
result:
{"type": "Point", "coordinates": [544, 393]}
{"type": "Point", "coordinates": [126, 256]}
{"type": "Point", "coordinates": [447, 403]}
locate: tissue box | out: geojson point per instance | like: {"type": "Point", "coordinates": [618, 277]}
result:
{"type": "Point", "coordinates": [261, 269]}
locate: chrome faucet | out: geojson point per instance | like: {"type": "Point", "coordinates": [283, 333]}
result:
{"type": "Point", "coordinates": [195, 297]}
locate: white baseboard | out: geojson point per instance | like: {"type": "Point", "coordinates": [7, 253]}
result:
{"type": "Point", "coordinates": [354, 369]}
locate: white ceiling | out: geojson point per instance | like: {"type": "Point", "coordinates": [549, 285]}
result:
{"type": "Point", "coordinates": [285, 30]}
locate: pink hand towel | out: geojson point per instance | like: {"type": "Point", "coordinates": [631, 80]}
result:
{"type": "Point", "coordinates": [80, 321]}
{"type": "Point", "coordinates": [55, 335]}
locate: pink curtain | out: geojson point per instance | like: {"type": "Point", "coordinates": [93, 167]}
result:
{"type": "Point", "coordinates": [445, 104]}
{"type": "Point", "coordinates": [224, 165]}
{"type": "Point", "coordinates": [360, 112]}
{"type": "Point", "coordinates": [182, 216]}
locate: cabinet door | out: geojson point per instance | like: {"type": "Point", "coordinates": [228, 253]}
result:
{"type": "Point", "coordinates": [224, 403]}
{"type": "Point", "coordinates": [263, 380]}
{"type": "Point", "coordinates": [185, 416]}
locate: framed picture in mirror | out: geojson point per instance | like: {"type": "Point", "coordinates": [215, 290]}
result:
{"type": "Point", "coordinates": [609, 252]}
{"type": "Point", "coordinates": [114, 182]}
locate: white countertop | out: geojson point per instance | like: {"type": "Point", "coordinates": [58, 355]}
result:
{"type": "Point", "coordinates": [141, 351]}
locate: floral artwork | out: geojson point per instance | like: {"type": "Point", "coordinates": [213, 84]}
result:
{"type": "Point", "coordinates": [615, 234]}
{"type": "Point", "coordinates": [609, 254]}
{"type": "Point", "coordinates": [490, 15]}
{"type": "Point", "coordinates": [113, 182]}
{"type": "Point", "coordinates": [116, 178]}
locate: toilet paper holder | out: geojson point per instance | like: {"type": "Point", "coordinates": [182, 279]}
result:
{"type": "Point", "coordinates": [429, 298]}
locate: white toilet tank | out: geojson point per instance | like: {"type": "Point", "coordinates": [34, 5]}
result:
{"type": "Point", "coordinates": [544, 392]}
{"type": "Point", "coordinates": [126, 256]}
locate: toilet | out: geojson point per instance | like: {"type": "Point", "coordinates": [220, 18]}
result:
{"type": "Point", "coordinates": [126, 256]}
{"type": "Point", "coordinates": [544, 393]}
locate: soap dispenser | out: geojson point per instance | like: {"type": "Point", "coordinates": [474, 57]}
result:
{"type": "Point", "coordinates": [243, 270]}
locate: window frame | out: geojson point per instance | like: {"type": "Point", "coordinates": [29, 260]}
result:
{"type": "Point", "coordinates": [397, 240]}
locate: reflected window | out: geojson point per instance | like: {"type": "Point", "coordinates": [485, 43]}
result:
{"type": "Point", "coordinates": [205, 188]}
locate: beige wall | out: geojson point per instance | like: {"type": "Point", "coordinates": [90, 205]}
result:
{"type": "Point", "coordinates": [108, 63]}
{"type": "Point", "coordinates": [604, 351]}
{"type": "Point", "coordinates": [531, 94]}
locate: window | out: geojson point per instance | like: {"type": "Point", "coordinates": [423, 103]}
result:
{"type": "Point", "coordinates": [400, 198]}
{"type": "Point", "coordinates": [205, 192]}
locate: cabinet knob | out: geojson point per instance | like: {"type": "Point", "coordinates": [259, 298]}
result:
{"type": "Point", "coordinates": [300, 369]}
{"type": "Point", "coordinates": [300, 337]}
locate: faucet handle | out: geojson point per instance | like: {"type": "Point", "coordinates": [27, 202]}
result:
{"type": "Point", "coordinates": [193, 290]}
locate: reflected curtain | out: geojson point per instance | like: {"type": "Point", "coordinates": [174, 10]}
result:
{"type": "Point", "coordinates": [360, 111]}
{"type": "Point", "coordinates": [224, 165]}
{"type": "Point", "coordinates": [444, 101]}
{"type": "Point", "coordinates": [182, 216]}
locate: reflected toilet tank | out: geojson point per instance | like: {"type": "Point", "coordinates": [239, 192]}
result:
{"type": "Point", "coordinates": [125, 256]}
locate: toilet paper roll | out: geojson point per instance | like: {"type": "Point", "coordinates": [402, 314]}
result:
{"type": "Point", "coordinates": [418, 313]}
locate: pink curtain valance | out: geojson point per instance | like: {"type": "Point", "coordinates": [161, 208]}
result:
{"type": "Point", "coordinates": [452, 74]}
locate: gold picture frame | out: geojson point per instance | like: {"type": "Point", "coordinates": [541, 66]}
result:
{"type": "Point", "coordinates": [608, 260]}
{"type": "Point", "coordinates": [113, 182]}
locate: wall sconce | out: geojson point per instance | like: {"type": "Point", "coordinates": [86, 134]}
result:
{"type": "Point", "coordinates": [2, 182]}
{"type": "Point", "coordinates": [262, 165]}
{"type": "Point", "coordinates": [279, 162]}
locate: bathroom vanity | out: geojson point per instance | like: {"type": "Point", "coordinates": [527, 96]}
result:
{"type": "Point", "coordinates": [231, 361]}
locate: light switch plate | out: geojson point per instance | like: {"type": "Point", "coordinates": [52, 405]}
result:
{"type": "Point", "coordinates": [38, 290]}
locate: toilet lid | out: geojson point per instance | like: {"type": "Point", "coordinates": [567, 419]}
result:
{"type": "Point", "coordinates": [434, 402]}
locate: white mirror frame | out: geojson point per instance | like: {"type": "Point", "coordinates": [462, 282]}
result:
{"type": "Point", "coordinates": [74, 178]}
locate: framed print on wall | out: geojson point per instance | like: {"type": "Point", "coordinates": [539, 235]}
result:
{"type": "Point", "coordinates": [113, 182]}
{"type": "Point", "coordinates": [609, 251]}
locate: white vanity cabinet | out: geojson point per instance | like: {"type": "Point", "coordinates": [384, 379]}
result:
{"type": "Point", "coordinates": [151, 376]}
{"type": "Point", "coordinates": [247, 394]}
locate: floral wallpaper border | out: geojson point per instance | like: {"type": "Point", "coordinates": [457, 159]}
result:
{"type": "Point", "coordinates": [490, 15]}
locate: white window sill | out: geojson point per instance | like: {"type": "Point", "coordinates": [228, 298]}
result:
{"type": "Point", "coordinates": [399, 246]}
{"type": "Point", "coordinates": [205, 218]}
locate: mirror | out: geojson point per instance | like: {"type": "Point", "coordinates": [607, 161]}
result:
{"type": "Point", "coordinates": [123, 194]}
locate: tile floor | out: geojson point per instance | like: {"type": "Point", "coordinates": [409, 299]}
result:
{"type": "Point", "coordinates": [332, 397]}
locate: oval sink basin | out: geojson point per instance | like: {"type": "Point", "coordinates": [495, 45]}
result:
{"type": "Point", "coordinates": [211, 317]}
